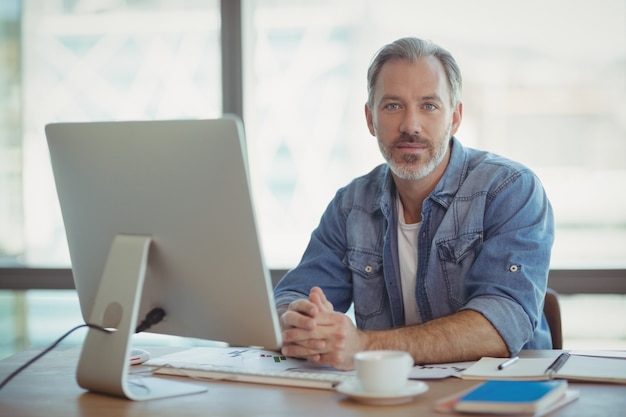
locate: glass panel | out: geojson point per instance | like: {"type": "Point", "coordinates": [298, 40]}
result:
{"type": "Point", "coordinates": [11, 219]}
{"type": "Point", "coordinates": [121, 60]}
{"type": "Point", "coordinates": [39, 317]}
{"type": "Point", "coordinates": [12, 324]}
{"type": "Point", "coordinates": [85, 60]}
{"type": "Point", "coordinates": [537, 89]}
{"type": "Point", "coordinates": [591, 321]}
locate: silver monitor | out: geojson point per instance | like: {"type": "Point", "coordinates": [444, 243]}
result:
{"type": "Point", "coordinates": [160, 214]}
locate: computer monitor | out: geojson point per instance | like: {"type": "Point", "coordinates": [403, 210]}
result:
{"type": "Point", "coordinates": [160, 214]}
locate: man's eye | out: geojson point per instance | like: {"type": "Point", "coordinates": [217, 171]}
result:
{"type": "Point", "coordinates": [430, 106]}
{"type": "Point", "coordinates": [392, 106]}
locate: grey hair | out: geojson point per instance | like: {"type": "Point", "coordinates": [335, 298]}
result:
{"type": "Point", "coordinates": [412, 49]}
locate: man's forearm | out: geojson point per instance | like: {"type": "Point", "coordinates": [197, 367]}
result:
{"type": "Point", "coordinates": [466, 335]}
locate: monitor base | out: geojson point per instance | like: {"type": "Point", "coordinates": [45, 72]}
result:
{"type": "Point", "coordinates": [103, 366]}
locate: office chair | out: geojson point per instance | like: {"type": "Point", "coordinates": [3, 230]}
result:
{"type": "Point", "coordinates": [552, 310]}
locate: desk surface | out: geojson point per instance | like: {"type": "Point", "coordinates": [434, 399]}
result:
{"type": "Point", "coordinates": [49, 388]}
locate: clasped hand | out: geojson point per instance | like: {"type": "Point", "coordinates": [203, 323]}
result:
{"type": "Point", "coordinates": [311, 329]}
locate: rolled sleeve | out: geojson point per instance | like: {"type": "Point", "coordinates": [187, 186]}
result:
{"type": "Point", "coordinates": [287, 297]}
{"type": "Point", "coordinates": [508, 318]}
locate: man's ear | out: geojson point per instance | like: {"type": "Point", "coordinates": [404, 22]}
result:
{"type": "Point", "coordinates": [369, 116]}
{"type": "Point", "coordinates": [457, 116]}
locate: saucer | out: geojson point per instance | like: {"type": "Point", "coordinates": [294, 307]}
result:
{"type": "Point", "coordinates": [353, 389]}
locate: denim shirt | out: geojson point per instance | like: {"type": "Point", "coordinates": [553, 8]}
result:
{"type": "Point", "coordinates": [484, 245]}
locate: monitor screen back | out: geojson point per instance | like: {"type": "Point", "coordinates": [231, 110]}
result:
{"type": "Point", "coordinates": [185, 184]}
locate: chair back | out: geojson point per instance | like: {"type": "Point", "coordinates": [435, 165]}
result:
{"type": "Point", "coordinates": [552, 311]}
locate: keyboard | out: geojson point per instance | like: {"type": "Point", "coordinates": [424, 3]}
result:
{"type": "Point", "coordinates": [286, 378]}
{"type": "Point", "coordinates": [248, 365]}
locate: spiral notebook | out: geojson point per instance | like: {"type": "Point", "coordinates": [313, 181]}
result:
{"type": "Point", "coordinates": [565, 366]}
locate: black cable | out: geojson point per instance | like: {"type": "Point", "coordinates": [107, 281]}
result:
{"type": "Point", "coordinates": [153, 317]}
{"type": "Point", "coordinates": [48, 349]}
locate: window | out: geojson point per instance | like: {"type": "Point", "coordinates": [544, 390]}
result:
{"type": "Point", "coordinates": [544, 83]}
{"type": "Point", "coordinates": [537, 89]}
{"type": "Point", "coordinates": [92, 60]}
{"type": "Point", "coordinates": [11, 220]}
{"type": "Point", "coordinates": [84, 60]}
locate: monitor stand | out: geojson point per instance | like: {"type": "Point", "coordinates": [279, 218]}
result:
{"type": "Point", "coordinates": [104, 361]}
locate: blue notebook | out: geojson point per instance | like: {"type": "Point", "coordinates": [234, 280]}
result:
{"type": "Point", "coordinates": [512, 397]}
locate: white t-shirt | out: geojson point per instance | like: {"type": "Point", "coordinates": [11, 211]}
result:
{"type": "Point", "coordinates": [407, 256]}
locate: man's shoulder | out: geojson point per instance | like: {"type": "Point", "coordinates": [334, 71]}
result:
{"type": "Point", "coordinates": [476, 170]}
{"type": "Point", "coordinates": [482, 159]}
{"type": "Point", "coordinates": [366, 190]}
{"type": "Point", "coordinates": [490, 164]}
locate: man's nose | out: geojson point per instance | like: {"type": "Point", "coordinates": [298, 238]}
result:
{"type": "Point", "coordinates": [411, 122]}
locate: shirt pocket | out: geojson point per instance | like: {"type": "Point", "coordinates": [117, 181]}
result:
{"type": "Point", "coordinates": [368, 283]}
{"type": "Point", "coordinates": [457, 255]}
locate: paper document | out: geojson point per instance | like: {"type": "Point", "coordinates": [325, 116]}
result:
{"type": "Point", "coordinates": [236, 358]}
{"type": "Point", "coordinates": [252, 359]}
{"type": "Point", "coordinates": [248, 365]}
{"type": "Point", "coordinates": [439, 371]}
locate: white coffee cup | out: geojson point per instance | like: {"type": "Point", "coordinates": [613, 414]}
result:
{"type": "Point", "coordinates": [383, 371]}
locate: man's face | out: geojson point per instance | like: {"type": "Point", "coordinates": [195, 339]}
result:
{"type": "Point", "coordinates": [412, 116]}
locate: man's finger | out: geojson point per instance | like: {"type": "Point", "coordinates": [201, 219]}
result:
{"type": "Point", "coordinates": [304, 306]}
{"type": "Point", "coordinates": [305, 348]}
{"type": "Point", "coordinates": [317, 297]}
{"type": "Point", "coordinates": [292, 318]}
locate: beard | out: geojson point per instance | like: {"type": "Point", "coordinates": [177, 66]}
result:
{"type": "Point", "coordinates": [415, 167]}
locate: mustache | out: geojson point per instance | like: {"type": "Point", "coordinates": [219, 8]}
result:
{"type": "Point", "coordinates": [411, 138]}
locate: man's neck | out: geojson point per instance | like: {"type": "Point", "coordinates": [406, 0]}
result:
{"type": "Point", "coordinates": [413, 192]}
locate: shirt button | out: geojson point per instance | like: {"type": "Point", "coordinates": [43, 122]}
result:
{"type": "Point", "coordinates": [369, 269]}
{"type": "Point", "coordinates": [514, 268]}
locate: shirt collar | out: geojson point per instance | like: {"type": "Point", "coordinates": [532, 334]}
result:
{"type": "Point", "coordinates": [452, 178]}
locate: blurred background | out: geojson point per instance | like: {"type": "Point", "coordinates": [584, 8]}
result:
{"type": "Point", "coordinates": [544, 84]}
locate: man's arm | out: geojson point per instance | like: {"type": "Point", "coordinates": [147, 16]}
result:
{"type": "Point", "coordinates": [312, 330]}
{"type": "Point", "coordinates": [465, 335]}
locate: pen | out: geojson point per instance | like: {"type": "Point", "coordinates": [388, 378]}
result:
{"type": "Point", "coordinates": [508, 362]}
{"type": "Point", "coordinates": [556, 365]}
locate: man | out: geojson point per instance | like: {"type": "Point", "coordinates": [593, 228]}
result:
{"type": "Point", "coordinates": [443, 250]}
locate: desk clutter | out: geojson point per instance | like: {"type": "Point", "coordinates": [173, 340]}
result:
{"type": "Point", "coordinates": [525, 386]}
{"type": "Point", "coordinates": [53, 383]}
{"type": "Point", "coordinates": [269, 367]}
